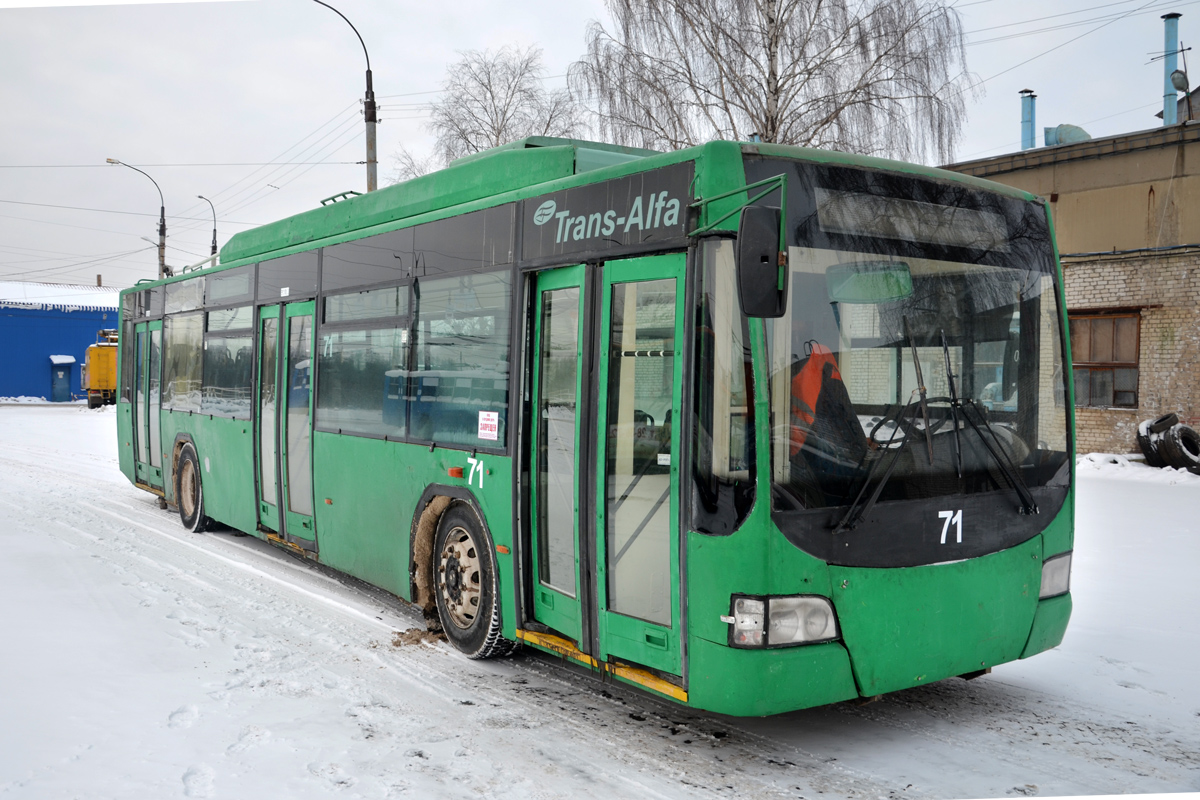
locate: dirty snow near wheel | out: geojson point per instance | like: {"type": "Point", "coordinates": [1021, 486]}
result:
{"type": "Point", "coordinates": [141, 661]}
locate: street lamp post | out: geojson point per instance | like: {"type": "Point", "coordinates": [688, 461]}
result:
{"type": "Point", "coordinates": [162, 221]}
{"type": "Point", "coordinates": [369, 114]}
{"type": "Point", "coordinates": [214, 210]}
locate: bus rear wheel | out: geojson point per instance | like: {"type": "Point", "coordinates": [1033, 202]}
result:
{"type": "Point", "coordinates": [189, 491]}
{"type": "Point", "coordinates": [466, 588]}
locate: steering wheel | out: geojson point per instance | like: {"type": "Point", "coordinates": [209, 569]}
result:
{"type": "Point", "coordinates": [939, 414]}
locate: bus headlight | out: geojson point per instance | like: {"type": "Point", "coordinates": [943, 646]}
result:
{"type": "Point", "coordinates": [781, 621]}
{"type": "Point", "coordinates": [800, 620]}
{"type": "Point", "coordinates": [747, 622]}
{"type": "Point", "coordinates": [1056, 576]}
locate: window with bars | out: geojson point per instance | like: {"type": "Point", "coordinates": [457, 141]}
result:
{"type": "Point", "coordinates": [1104, 349]}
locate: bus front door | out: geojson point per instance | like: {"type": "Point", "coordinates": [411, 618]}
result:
{"type": "Point", "coordinates": [617, 504]}
{"type": "Point", "coordinates": [147, 439]}
{"type": "Point", "coordinates": [284, 416]}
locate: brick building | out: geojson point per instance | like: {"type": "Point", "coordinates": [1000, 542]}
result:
{"type": "Point", "coordinates": [1128, 226]}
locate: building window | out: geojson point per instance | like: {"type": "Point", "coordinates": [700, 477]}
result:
{"type": "Point", "coordinates": [1105, 354]}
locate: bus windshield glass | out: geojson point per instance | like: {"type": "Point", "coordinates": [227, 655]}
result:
{"type": "Point", "coordinates": [920, 354]}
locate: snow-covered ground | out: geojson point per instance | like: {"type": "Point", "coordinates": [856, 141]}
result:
{"type": "Point", "coordinates": [140, 661]}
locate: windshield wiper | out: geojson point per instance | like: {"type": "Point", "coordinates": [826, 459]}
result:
{"type": "Point", "coordinates": [856, 512]}
{"type": "Point", "coordinates": [920, 388]}
{"type": "Point", "coordinates": [953, 406]}
{"type": "Point", "coordinates": [1010, 471]}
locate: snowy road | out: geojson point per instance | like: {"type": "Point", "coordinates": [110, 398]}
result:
{"type": "Point", "coordinates": [144, 662]}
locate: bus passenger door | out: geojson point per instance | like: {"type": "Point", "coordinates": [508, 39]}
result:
{"type": "Point", "coordinates": [556, 487]}
{"type": "Point", "coordinates": [637, 469]}
{"type": "Point", "coordinates": [147, 365]}
{"type": "Point", "coordinates": [285, 405]}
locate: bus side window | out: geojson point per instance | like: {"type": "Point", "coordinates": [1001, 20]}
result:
{"type": "Point", "coordinates": [457, 392]}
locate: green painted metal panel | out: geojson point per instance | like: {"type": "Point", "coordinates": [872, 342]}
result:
{"type": "Point", "coordinates": [756, 559]}
{"type": "Point", "coordinates": [125, 438]}
{"type": "Point", "coordinates": [762, 682]}
{"type": "Point", "coordinates": [1049, 625]}
{"type": "Point", "coordinates": [225, 447]}
{"type": "Point", "coordinates": [912, 626]}
{"type": "Point", "coordinates": [372, 488]}
{"type": "Point", "coordinates": [1059, 535]}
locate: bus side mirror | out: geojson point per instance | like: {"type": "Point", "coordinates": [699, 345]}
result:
{"type": "Point", "coordinates": [761, 267]}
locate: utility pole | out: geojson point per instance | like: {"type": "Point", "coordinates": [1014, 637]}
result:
{"type": "Point", "coordinates": [369, 112]}
{"type": "Point", "coordinates": [163, 272]}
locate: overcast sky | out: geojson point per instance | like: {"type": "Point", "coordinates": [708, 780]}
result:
{"type": "Point", "coordinates": [201, 94]}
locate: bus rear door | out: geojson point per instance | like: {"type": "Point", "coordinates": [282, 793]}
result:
{"type": "Point", "coordinates": [147, 439]}
{"type": "Point", "coordinates": [284, 417]}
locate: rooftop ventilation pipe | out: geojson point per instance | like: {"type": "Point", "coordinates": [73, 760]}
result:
{"type": "Point", "coordinates": [1028, 115]}
{"type": "Point", "coordinates": [1171, 53]}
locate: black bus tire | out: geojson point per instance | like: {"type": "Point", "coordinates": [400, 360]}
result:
{"type": "Point", "coordinates": [1180, 448]}
{"type": "Point", "coordinates": [189, 491]}
{"type": "Point", "coordinates": [465, 585]}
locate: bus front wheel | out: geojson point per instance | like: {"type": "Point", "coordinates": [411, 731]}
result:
{"type": "Point", "coordinates": [189, 491]}
{"type": "Point", "coordinates": [466, 588]}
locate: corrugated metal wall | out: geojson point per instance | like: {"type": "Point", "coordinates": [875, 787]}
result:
{"type": "Point", "coordinates": [28, 337]}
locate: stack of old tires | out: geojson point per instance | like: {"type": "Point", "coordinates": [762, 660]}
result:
{"type": "Point", "coordinates": [1167, 442]}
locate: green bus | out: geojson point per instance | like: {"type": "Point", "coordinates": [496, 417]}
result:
{"type": "Point", "coordinates": [753, 427]}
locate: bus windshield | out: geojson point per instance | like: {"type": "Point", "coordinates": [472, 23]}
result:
{"type": "Point", "coordinates": [921, 351]}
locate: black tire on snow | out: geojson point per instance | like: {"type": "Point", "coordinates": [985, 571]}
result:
{"type": "Point", "coordinates": [94, 401]}
{"type": "Point", "coordinates": [465, 584]}
{"type": "Point", "coordinates": [189, 491]}
{"type": "Point", "coordinates": [1147, 443]}
{"type": "Point", "coordinates": [1180, 448]}
{"type": "Point", "coordinates": [1163, 423]}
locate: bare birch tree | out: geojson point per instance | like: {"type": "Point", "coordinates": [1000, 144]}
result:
{"type": "Point", "coordinates": [879, 77]}
{"type": "Point", "coordinates": [490, 99]}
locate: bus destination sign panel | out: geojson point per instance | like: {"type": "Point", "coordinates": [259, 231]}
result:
{"type": "Point", "coordinates": [623, 212]}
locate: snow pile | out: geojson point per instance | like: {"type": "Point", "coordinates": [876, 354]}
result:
{"type": "Point", "coordinates": [22, 399]}
{"type": "Point", "coordinates": [1111, 465]}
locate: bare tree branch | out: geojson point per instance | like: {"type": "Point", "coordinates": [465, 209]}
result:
{"type": "Point", "coordinates": [884, 77]}
{"type": "Point", "coordinates": [489, 99]}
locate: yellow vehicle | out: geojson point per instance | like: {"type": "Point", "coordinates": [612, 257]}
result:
{"type": "Point", "coordinates": [99, 378]}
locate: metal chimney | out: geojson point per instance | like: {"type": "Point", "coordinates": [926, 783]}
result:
{"type": "Point", "coordinates": [1028, 119]}
{"type": "Point", "coordinates": [1171, 53]}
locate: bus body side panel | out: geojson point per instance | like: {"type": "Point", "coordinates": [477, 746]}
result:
{"type": "Point", "coordinates": [125, 438]}
{"type": "Point", "coordinates": [367, 490]}
{"type": "Point", "coordinates": [224, 446]}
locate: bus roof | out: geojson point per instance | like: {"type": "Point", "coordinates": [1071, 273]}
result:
{"type": "Point", "coordinates": [513, 170]}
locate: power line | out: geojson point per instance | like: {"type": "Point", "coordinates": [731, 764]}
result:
{"type": "Point", "coordinates": [1064, 44]}
{"type": "Point", "coordinates": [1078, 23]}
{"type": "Point", "coordinates": [231, 164]}
{"type": "Point", "coordinates": [90, 262]}
{"type": "Point", "coordinates": [113, 211]}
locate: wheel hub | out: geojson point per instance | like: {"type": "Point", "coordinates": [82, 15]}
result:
{"type": "Point", "coordinates": [459, 581]}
